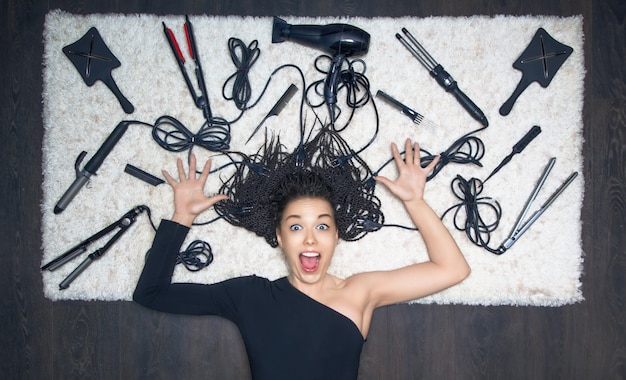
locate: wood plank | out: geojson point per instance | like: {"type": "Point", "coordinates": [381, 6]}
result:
{"type": "Point", "coordinates": [25, 340]}
{"type": "Point", "coordinates": [86, 340]}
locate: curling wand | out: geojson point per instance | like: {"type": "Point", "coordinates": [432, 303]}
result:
{"type": "Point", "coordinates": [82, 176]}
{"type": "Point", "coordinates": [441, 75]}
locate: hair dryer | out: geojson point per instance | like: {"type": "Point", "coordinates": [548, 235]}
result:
{"type": "Point", "coordinates": [339, 40]}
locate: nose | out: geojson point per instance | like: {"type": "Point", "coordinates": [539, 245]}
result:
{"type": "Point", "coordinates": [309, 239]}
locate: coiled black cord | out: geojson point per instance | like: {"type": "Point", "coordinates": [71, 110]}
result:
{"type": "Point", "coordinates": [243, 58]}
{"type": "Point", "coordinates": [468, 149]}
{"type": "Point", "coordinates": [196, 256]}
{"type": "Point", "coordinates": [352, 78]}
{"type": "Point", "coordinates": [172, 135]}
{"type": "Point", "coordinates": [473, 221]}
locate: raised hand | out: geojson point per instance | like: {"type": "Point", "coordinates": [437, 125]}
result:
{"type": "Point", "coordinates": [409, 186]}
{"type": "Point", "coordinates": [189, 198]}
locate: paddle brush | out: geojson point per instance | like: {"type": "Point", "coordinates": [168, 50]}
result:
{"type": "Point", "coordinates": [94, 61]}
{"type": "Point", "coordinates": [539, 62]}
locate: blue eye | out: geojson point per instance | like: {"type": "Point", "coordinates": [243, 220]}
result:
{"type": "Point", "coordinates": [295, 227]}
{"type": "Point", "coordinates": [323, 227]}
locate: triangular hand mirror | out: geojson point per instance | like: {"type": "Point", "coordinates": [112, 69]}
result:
{"type": "Point", "coordinates": [539, 62]}
{"type": "Point", "coordinates": [93, 60]}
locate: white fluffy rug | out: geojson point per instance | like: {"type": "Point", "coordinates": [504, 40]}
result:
{"type": "Point", "coordinates": [543, 268]}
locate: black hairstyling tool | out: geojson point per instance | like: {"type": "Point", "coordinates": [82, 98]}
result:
{"type": "Point", "coordinates": [122, 224]}
{"type": "Point", "coordinates": [280, 104]}
{"type": "Point", "coordinates": [517, 148]}
{"type": "Point", "coordinates": [202, 100]}
{"type": "Point", "coordinates": [539, 62]}
{"type": "Point", "coordinates": [522, 225]}
{"type": "Point", "coordinates": [91, 167]}
{"type": "Point", "coordinates": [143, 175]}
{"type": "Point", "coordinates": [93, 60]}
{"type": "Point", "coordinates": [415, 116]}
{"type": "Point", "coordinates": [442, 77]}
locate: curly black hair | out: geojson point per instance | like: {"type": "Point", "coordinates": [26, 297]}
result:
{"type": "Point", "coordinates": [323, 167]}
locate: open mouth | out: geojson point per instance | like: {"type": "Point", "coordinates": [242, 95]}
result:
{"type": "Point", "coordinates": [310, 261]}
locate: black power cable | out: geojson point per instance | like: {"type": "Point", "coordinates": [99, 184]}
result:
{"type": "Point", "coordinates": [477, 228]}
{"type": "Point", "coordinates": [243, 58]}
{"type": "Point", "coordinates": [196, 256]}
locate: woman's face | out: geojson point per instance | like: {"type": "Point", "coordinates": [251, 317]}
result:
{"type": "Point", "coordinates": [308, 236]}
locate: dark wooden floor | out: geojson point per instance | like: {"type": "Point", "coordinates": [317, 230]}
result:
{"type": "Point", "coordinates": [120, 340]}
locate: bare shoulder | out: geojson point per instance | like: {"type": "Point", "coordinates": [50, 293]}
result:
{"type": "Point", "coordinates": [351, 289]}
{"type": "Point", "coordinates": [347, 297]}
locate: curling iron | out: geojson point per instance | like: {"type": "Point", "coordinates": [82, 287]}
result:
{"type": "Point", "coordinates": [82, 176]}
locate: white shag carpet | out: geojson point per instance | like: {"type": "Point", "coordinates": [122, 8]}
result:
{"type": "Point", "coordinates": [543, 268]}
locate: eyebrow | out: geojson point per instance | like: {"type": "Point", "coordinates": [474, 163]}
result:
{"type": "Point", "coordinates": [298, 216]}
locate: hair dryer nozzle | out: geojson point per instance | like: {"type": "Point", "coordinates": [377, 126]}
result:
{"type": "Point", "coordinates": [344, 39]}
{"type": "Point", "coordinates": [280, 26]}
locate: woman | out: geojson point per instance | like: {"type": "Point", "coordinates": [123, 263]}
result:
{"type": "Point", "coordinates": [310, 324]}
